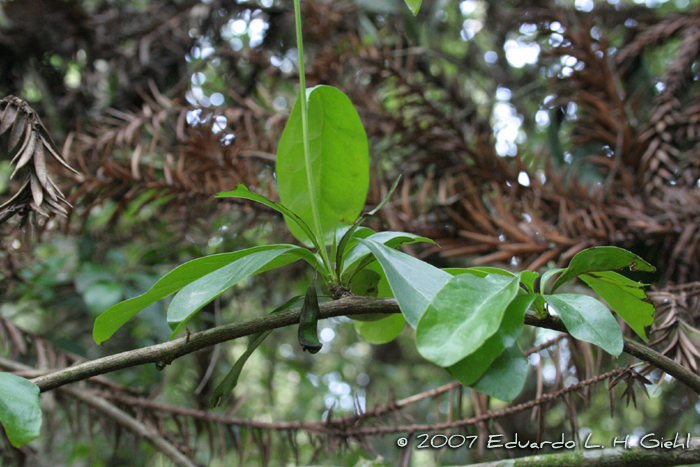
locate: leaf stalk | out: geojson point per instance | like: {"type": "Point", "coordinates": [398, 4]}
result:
{"type": "Point", "coordinates": [306, 142]}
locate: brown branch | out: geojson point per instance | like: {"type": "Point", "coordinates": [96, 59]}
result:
{"type": "Point", "coordinates": [382, 430]}
{"type": "Point", "coordinates": [165, 353]}
{"type": "Point", "coordinates": [311, 427]}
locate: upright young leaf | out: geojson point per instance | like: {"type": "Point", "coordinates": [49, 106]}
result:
{"type": "Point", "coordinates": [506, 376]}
{"type": "Point", "coordinates": [601, 258]}
{"type": "Point", "coordinates": [196, 294]}
{"type": "Point", "coordinates": [625, 296]}
{"type": "Point", "coordinates": [20, 411]}
{"type": "Point", "coordinates": [463, 315]}
{"type": "Point", "coordinates": [340, 162]}
{"type": "Point", "coordinates": [413, 282]}
{"type": "Point", "coordinates": [308, 321]}
{"type": "Point", "coordinates": [115, 317]}
{"type": "Point", "coordinates": [588, 320]}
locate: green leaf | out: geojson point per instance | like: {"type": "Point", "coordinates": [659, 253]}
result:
{"type": "Point", "coordinates": [229, 382]}
{"type": "Point", "coordinates": [462, 315]}
{"type": "Point", "coordinates": [602, 258]}
{"type": "Point", "coordinates": [354, 260]}
{"type": "Point", "coordinates": [528, 279]}
{"type": "Point", "coordinates": [195, 295]}
{"type": "Point", "coordinates": [626, 297]}
{"type": "Point", "coordinates": [308, 322]}
{"type": "Point", "coordinates": [379, 328]}
{"type": "Point", "coordinates": [343, 234]}
{"type": "Point", "coordinates": [470, 369]}
{"type": "Point", "coordinates": [547, 276]}
{"type": "Point", "coordinates": [506, 376]}
{"type": "Point", "coordinates": [589, 320]}
{"type": "Point", "coordinates": [458, 271]}
{"type": "Point", "coordinates": [242, 191]}
{"type": "Point", "coordinates": [413, 282]}
{"type": "Point", "coordinates": [383, 330]}
{"type": "Point", "coordinates": [340, 162]}
{"type": "Point", "coordinates": [115, 317]}
{"type": "Point", "coordinates": [20, 411]}
{"type": "Point", "coordinates": [365, 283]}
{"type": "Point", "coordinates": [380, 288]}
{"type": "Point", "coordinates": [413, 5]}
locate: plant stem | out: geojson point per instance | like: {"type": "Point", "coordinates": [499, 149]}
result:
{"type": "Point", "coordinates": [305, 139]}
{"type": "Point", "coordinates": [171, 350]}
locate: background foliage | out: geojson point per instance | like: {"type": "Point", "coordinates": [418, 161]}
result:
{"type": "Point", "coordinates": [525, 132]}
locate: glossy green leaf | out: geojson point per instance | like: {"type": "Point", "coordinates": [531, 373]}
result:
{"type": "Point", "coordinates": [231, 380]}
{"type": "Point", "coordinates": [354, 260]}
{"type": "Point", "coordinates": [470, 369]}
{"type": "Point", "coordinates": [308, 321]}
{"type": "Point", "coordinates": [340, 162]}
{"type": "Point", "coordinates": [506, 376]}
{"type": "Point", "coordinates": [589, 320]}
{"type": "Point", "coordinates": [382, 330]}
{"type": "Point", "coordinates": [413, 5]}
{"type": "Point", "coordinates": [413, 282]}
{"type": "Point", "coordinates": [626, 297]}
{"type": "Point", "coordinates": [195, 295]}
{"type": "Point", "coordinates": [20, 411]}
{"type": "Point", "coordinates": [462, 315]}
{"type": "Point", "coordinates": [115, 317]}
{"type": "Point", "coordinates": [242, 191]}
{"type": "Point", "coordinates": [601, 258]}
